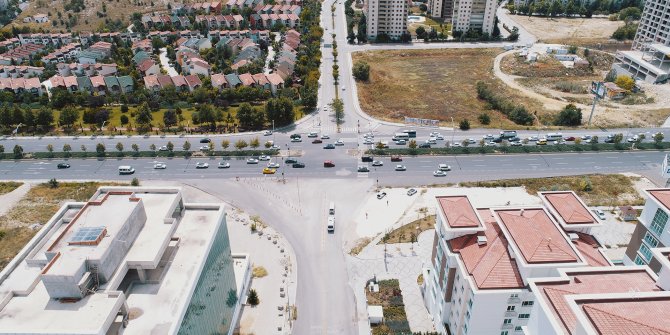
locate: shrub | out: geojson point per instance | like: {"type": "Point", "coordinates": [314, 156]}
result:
{"type": "Point", "coordinates": [569, 116]}
{"type": "Point", "coordinates": [484, 118]}
{"type": "Point", "coordinates": [100, 149]}
{"type": "Point", "coordinates": [53, 183]}
{"type": "Point", "coordinates": [464, 125]}
{"type": "Point", "coordinates": [625, 82]}
{"type": "Point", "coordinates": [135, 182]}
{"type": "Point", "coordinates": [18, 151]}
{"type": "Point", "coordinates": [252, 299]}
{"type": "Point", "coordinates": [361, 71]}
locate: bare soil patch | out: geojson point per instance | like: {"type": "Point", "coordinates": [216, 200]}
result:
{"type": "Point", "coordinates": [574, 29]}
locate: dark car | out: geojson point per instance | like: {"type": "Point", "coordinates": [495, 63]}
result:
{"type": "Point", "coordinates": [205, 140]}
{"type": "Point", "coordinates": [569, 138]}
{"type": "Point", "coordinates": [317, 141]}
{"type": "Point", "coordinates": [298, 165]}
{"type": "Point", "coordinates": [609, 139]}
{"type": "Point", "coordinates": [367, 159]}
{"type": "Point", "coordinates": [291, 160]}
{"type": "Point", "coordinates": [63, 165]}
{"type": "Point", "coordinates": [329, 146]}
{"type": "Point", "coordinates": [328, 164]}
{"type": "Point", "coordinates": [424, 145]}
{"type": "Point", "coordinates": [497, 140]}
{"type": "Point", "coordinates": [295, 136]}
{"type": "Point", "coordinates": [396, 158]}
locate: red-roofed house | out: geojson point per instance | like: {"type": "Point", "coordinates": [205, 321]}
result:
{"type": "Point", "coordinates": [247, 80]}
{"type": "Point", "coordinates": [276, 82]}
{"type": "Point", "coordinates": [193, 82]}
{"type": "Point", "coordinates": [219, 81]}
{"type": "Point", "coordinates": [99, 86]}
{"type": "Point", "coordinates": [180, 83]}
{"type": "Point", "coordinates": [151, 83]}
{"type": "Point", "coordinates": [148, 67]}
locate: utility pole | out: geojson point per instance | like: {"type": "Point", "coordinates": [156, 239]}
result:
{"type": "Point", "coordinates": [453, 130]}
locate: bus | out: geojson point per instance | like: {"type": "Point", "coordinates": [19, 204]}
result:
{"type": "Point", "coordinates": [505, 134]}
{"type": "Point", "coordinates": [554, 137]}
{"type": "Point", "coordinates": [410, 132]}
{"type": "Point", "coordinates": [401, 136]}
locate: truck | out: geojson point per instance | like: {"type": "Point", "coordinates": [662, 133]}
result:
{"type": "Point", "coordinates": [507, 134]}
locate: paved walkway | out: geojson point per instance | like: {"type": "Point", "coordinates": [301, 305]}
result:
{"type": "Point", "coordinates": [7, 201]}
{"type": "Point", "coordinates": [400, 261]}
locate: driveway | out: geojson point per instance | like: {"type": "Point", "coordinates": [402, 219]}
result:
{"type": "Point", "coordinates": [165, 64]}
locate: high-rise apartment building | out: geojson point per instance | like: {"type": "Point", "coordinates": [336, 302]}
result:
{"type": "Point", "coordinates": [474, 15]}
{"type": "Point", "coordinates": [649, 59]}
{"type": "Point", "coordinates": [443, 9]}
{"type": "Point", "coordinates": [651, 230]}
{"type": "Point", "coordinates": [386, 17]}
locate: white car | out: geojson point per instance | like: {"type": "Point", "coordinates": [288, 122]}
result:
{"type": "Point", "coordinates": [276, 147]}
{"type": "Point", "coordinates": [600, 214]}
{"type": "Point", "coordinates": [325, 137]}
{"type": "Point", "coordinates": [400, 168]}
{"type": "Point", "coordinates": [267, 133]}
{"type": "Point", "coordinates": [296, 139]}
{"type": "Point", "coordinates": [439, 137]}
{"type": "Point", "coordinates": [434, 134]}
{"type": "Point", "coordinates": [273, 165]}
{"type": "Point", "coordinates": [516, 144]}
{"type": "Point", "coordinates": [224, 165]}
{"type": "Point", "coordinates": [456, 145]}
{"type": "Point", "coordinates": [377, 163]}
{"type": "Point", "coordinates": [204, 148]}
{"type": "Point", "coordinates": [400, 142]}
{"type": "Point", "coordinates": [264, 158]}
{"type": "Point", "coordinates": [201, 165]}
{"type": "Point", "coordinates": [163, 148]}
{"type": "Point", "coordinates": [252, 161]}
{"type": "Point", "coordinates": [369, 141]}
{"type": "Point", "coordinates": [439, 173]}
{"type": "Point", "coordinates": [490, 144]}
{"type": "Point", "coordinates": [432, 140]}
{"type": "Point", "coordinates": [313, 134]}
{"type": "Point", "coordinates": [160, 166]}
{"type": "Point", "coordinates": [471, 141]}
{"type": "Point", "coordinates": [339, 142]}
{"type": "Point", "coordinates": [444, 167]}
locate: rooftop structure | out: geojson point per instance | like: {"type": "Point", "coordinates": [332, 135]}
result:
{"type": "Point", "coordinates": [569, 210]}
{"type": "Point", "coordinates": [126, 249]}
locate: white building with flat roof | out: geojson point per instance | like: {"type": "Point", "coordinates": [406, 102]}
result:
{"type": "Point", "coordinates": [386, 17]}
{"type": "Point", "coordinates": [131, 260]}
{"type": "Point", "coordinates": [474, 15]}
{"type": "Point", "coordinates": [478, 275]}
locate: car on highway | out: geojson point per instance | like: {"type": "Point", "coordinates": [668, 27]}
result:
{"type": "Point", "coordinates": [569, 138]}
{"type": "Point", "coordinates": [298, 165]}
{"type": "Point", "coordinates": [63, 166]}
{"type": "Point", "coordinates": [586, 138]}
{"type": "Point", "coordinates": [223, 165]}
{"type": "Point", "coordinates": [381, 195]}
{"type": "Point", "coordinates": [252, 161]}
{"type": "Point", "coordinates": [160, 166]}
{"type": "Point", "coordinates": [267, 133]}
{"type": "Point", "coordinates": [490, 144]}
{"type": "Point", "coordinates": [201, 165]}
{"type": "Point", "coordinates": [317, 141]}
{"type": "Point", "coordinates": [366, 159]}
{"type": "Point", "coordinates": [273, 165]}
{"type": "Point", "coordinates": [369, 141]}
{"type": "Point", "coordinates": [455, 145]}
{"type": "Point", "coordinates": [377, 163]}
{"type": "Point", "coordinates": [609, 138]}
{"type": "Point", "coordinates": [472, 141]}
{"type": "Point", "coordinates": [313, 134]}
{"type": "Point", "coordinates": [439, 137]}
{"type": "Point", "coordinates": [424, 145]}
{"type": "Point", "coordinates": [488, 137]}
{"type": "Point", "coordinates": [600, 214]}
{"type": "Point", "coordinates": [276, 147]}
{"type": "Point", "coordinates": [400, 142]}
{"type": "Point", "coordinates": [126, 169]}
{"type": "Point", "coordinates": [328, 164]}
{"type": "Point", "coordinates": [396, 158]}
{"type": "Point", "coordinates": [400, 168]}
{"type": "Point", "coordinates": [339, 142]}
{"type": "Point", "coordinates": [205, 140]}
{"type": "Point", "coordinates": [163, 148]}
{"type": "Point", "coordinates": [411, 192]}
{"type": "Point", "coordinates": [439, 173]}
{"type": "Point", "coordinates": [516, 144]}
{"type": "Point", "coordinates": [542, 141]}
{"type": "Point", "coordinates": [329, 146]}
{"type": "Point", "coordinates": [325, 137]}
{"type": "Point", "coordinates": [432, 140]}
{"type": "Point", "coordinates": [533, 139]}
{"type": "Point", "coordinates": [295, 136]}
{"type": "Point", "coordinates": [363, 168]}
{"type": "Point", "coordinates": [444, 167]}
{"type": "Point", "coordinates": [264, 158]}
{"type": "Point", "coordinates": [633, 139]}
{"type": "Point", "coordinates": [204, 148]}
{"type": "Point", "coordinates": [269, 171]}
{"type": "Point", "coordinates": [296, 139]}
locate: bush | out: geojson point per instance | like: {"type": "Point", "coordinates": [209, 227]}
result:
{"type": "Point", "coordinates": [464, 125]}
{"type": "Point", "coordinates": [625, 32]}
{"type": "Point", "coordinates": [569, 116]}
{"type": "Point", "coordinates": [630, 14]}
{"type": "Point", "coordinates": [135, 182]}
{"type": "Point", "coordinates": [18, 151]}
{"type": "Point", "coordinates": [53, 183]}
{"type": "Point", "coordinates": [625, 82]}
{"type": "Point", "coordinates": [361, 71]}
{"type": "Point", "coordinates": [100, 149]}
{"type": "Point", "coordinates": [516, 113]}
{"type": "Point", "coordinates": [484, 118]}
{"type": "Point", "coordinates": [252, 299]}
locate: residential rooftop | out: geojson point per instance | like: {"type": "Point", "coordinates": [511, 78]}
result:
{"type": "Point", "coordinates": [662, 196]}
{"type": "Point", "coordinates": [458, 211]}
{"type": "Point", "coordinates": [568, 209]}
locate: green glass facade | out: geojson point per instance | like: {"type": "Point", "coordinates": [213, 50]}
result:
{"type": "Point", "coordinates": [213, 302]}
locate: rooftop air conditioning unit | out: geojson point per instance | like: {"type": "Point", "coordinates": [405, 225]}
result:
{"type": "Point", "coordinates": [481, 240]}
{"type": "Point", "coordinates": [573, 237]}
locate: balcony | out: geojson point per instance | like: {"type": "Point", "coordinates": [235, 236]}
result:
{"type": "Point", "coordinates": [507, 326]}
{"type": "Point", "coordinates": [513, 301]}
{"type": "Point", "coordinates": [511, 314]}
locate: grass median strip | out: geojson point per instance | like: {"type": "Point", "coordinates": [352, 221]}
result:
{"type": "Point", "coordinates": [139, 154]}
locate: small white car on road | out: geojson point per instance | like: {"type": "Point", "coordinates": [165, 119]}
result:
{"type": "Point", "coordinates": [400, 168]}
{"type": "Point", "coordinates": [444, 167]}
{"type": "Point", "coordinates": [325, 137]}
{"type": "Point", "coordinates": [600, 214]}
{"type": "Point", "coordinates": [267, 133]}
{"type": "Point", "coordinates": [273, 165]}
{"type": "Point", "coordinates": [224, 165]}
{"type": "Point", "coordinates": [160, 166]}
{"type": "Point", "coordinates": [339, 142]}
{"type": "Point", "coordinates": [252, 161]}
{"type": "Point", "coordinates": [264, 158]}
{"type": "Point", "coordinates": [377, 163]}
{"type": "Point", "coordinates": [201, 165]}
{"type": "Point", "coordinates": [439, 173]}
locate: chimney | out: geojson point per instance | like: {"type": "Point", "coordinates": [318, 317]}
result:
{"type": "Point", "coordinates": [481, 240]}
{"type": "Point", "coordinates": [521, 213]}
{"type": "Point", "coordinates": [573, 237]}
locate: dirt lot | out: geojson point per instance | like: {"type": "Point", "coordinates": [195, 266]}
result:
{"type": "Point", "coordinates": [547, 29]}
{"type": "Point", "coordinates": [432, 84]}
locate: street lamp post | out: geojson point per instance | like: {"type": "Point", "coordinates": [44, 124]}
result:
{"type": "Point", "coordinates": [453, 130]}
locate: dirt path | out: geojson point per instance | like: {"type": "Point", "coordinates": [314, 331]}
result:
{"type": "Point", "coordinates": [7, 201]}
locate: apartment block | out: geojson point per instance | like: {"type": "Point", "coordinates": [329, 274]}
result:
{"type": "Point", "coordinates": [651, 230]}
{"type": "Point", "coordinates": [131, 260]}
{"type": "Point", "coordinates": [386, 17]}
{"type": "Point", "coordinates": [649, 58]}
{"type": "Point", "coordinates": [474, 15]}
{"type": "Point", "coordinates": [443, 9]}
{"type": "Point", "coordinates": [483, 258]}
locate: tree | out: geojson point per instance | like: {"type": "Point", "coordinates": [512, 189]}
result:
{"type": "Point", "coordinates": [252, 299]}
{"type": "Point", "coordinates": [170, 146]}
{"type": "Point", "coordinates": [124, 108]}
{"type": "Point", "coordinates": [464, 125]}
{"type": "Point", "coordinates": [570, 116]}
{"type": "Point", "coordinates": [169, 118]}
{"type": "Point", "coordinates": [412, 144]}
{"type": "Point", "coordinates": [630, 14]}
{"type": "Point", "coordinates": [68, 116]}
{"type": "Point", "coordinates": [611, 76]}
{"type": "Point", "coordinates": [625, 82]}
{"type": "Point", "coordinates": [100, 149]}
{"type": "Point", "coordinates": [338, 107]}
{"type": "Point", "coordinates": [225, 144]}
{"type": "Point", "coordinates": [658, 139]}
{"type": "Point", "coordinates": [119, 147]}
{"type": "Point", "coordinates": [50, 148]}
{"type": "Point", "coordinates": [18, 151]}
{"type": "Point", "coordinates": [124, 119]}
{"type": "Point", "coordinates": [135, 147]}
{"type": "Point", "coordinates": [640, 138]}
{"type": "Point", "coordinates": [144, 117]}
{"type": "Point", "coordinates": [420, 32]}
{"type": "Point", "coordinates": [135, 182]}
{"type": "Point", "coordinates": [66, 149]}
{"type": "Point", "coordinates": [45, 118]}
{"type": "Point", "coordinates": [484, 118]}
{"type": "Point", "coordinates": [152, 147]}
{"type": "Point", "coordinates": [186, 146]}
{"type": "Point", "coordinates": [362, 30]}
{"type": "Point", "coordinates": [240, 144]}
{"type": "Point", "coordinates": [280, 110]}
{"type": "Point", "coordinates": [250, 118]}
{"type": "Point", "coordinates": [361, 71]}
{"type": "Point", "coordinates": [254, 143]}
{"type": "Point", "coordinates": [617, 138]}
{"type": "Point", "coordinates": [82, 148]}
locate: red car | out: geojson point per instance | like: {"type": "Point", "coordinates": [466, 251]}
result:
{"type": "Point", "coordinates": [317, 141]}
{"type": "Point", "coordinates": [328, 164]}
{"type": "Point", "coordinates": [569, 138]}
{"type": "Point", "coordinates": [396, 159]}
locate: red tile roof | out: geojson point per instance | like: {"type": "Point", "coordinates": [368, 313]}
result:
{"type": "Point", "coordinates": [589, 248]}
{"type": "Point", "coordinates": [633, 316]}
{"type": "Point", "coordinates": [615, 281]}
{"type": "Point", "coordinates": [458, 211]}
{"type": "Point", "coordinates": [490, 265]}
{"type": "Point", "coordinates": [536, 236]}
{"type": "Point", "coordinates": [568, 206]}
{"type": "Point", "coordinates": [662, 195]}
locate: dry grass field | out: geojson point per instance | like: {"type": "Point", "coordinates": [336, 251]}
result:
{"type": "Point", "coordinates": [548, 29]}
{"type": "Point", "coordinates": [432, 84]}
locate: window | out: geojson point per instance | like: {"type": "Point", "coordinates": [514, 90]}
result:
{"type": "Point", "coordinates": [465, 329]}
{"type": "Point", "coordinates": [645, 252]}
{"type": "Point", "coordinates": [527, 303]}
{"type": "Point", "coordinates": [467, 315]}
{"type": "Point", "coordinates": [507, 321]}
{"type": "Point", "coordinates": [470, 303]}
{"type": "Point", "coordinates": [510, 308]}
{"type": "Point", "coordinates": [639, 261]}
{"type": "Point", "coordinates": [651, 240]}
{"type": "Point", "coordinates": [514, 295]}
{"type": "Point", "coordinates": [504, 332]}
{"type": "Point", "coordinates": [659, 221]}
{"type": "Point", "coordinates": [524, 316]}
{"type": "Point", "coordinates": [517, 328]}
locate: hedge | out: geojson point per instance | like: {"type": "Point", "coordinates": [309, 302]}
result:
{"type": "Point", "coordinates": [139, 154]}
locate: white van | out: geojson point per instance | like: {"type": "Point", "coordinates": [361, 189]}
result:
{"type": "Point", "coordinates": [126, 169]}
{"type": "Point", "coordinates": [331, 224]}
{"type": "Point", "coordinates": [331, 209]}
{"type": "Point", "coordinates": [554, 137]}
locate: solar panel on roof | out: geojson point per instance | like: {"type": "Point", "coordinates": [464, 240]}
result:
{"type": "Point", "coordinates": [87, 234]}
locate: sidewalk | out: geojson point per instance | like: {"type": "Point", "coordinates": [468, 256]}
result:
{"type": "Point", "coordinates": [7, 201]}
